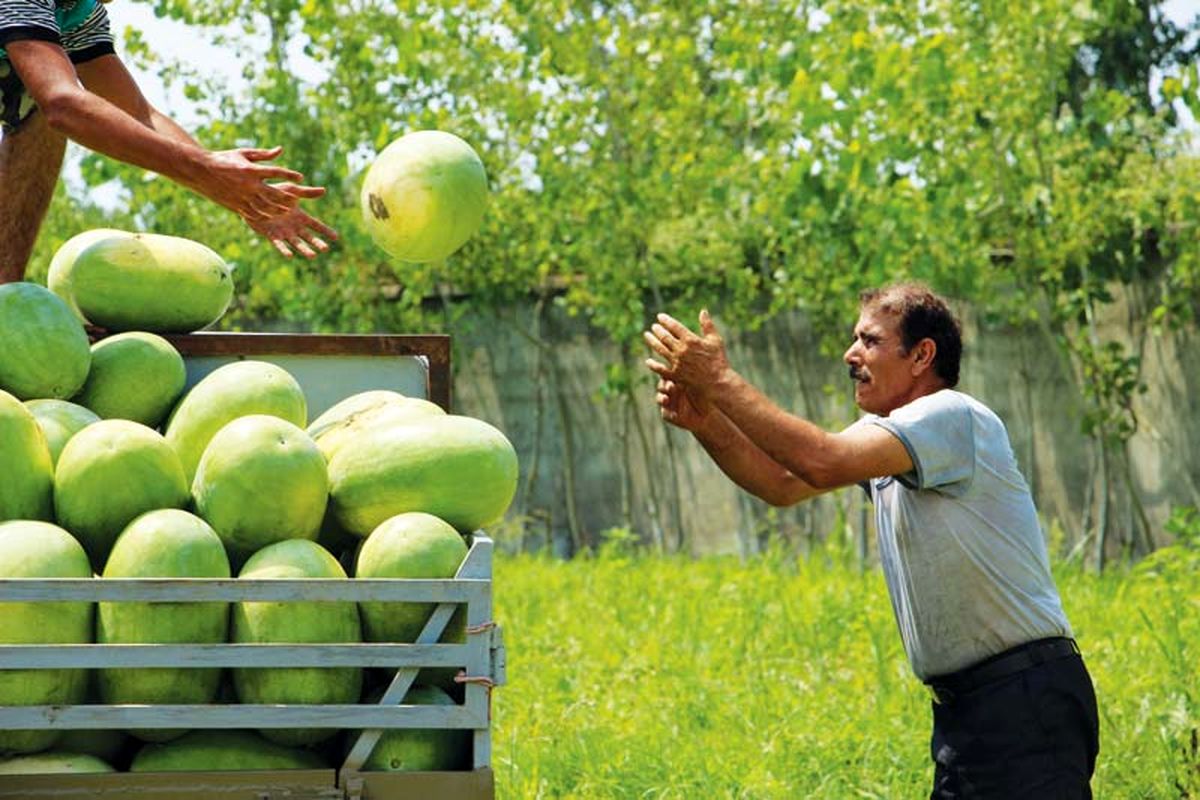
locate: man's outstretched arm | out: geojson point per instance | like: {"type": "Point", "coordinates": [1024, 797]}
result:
{"type": "Point", "coordinates": [234, 179]}
{"type": "Point", "coordinates": [107, 77]}
{"type": "Point", "coordinates": [740, 459]}
{"type": "Point", "coordinates": [820, 459]}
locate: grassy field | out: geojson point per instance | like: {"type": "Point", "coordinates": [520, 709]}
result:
{"type": "Point", "coordinates": [646, 677]}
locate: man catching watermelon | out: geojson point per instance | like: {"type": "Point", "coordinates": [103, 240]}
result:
{"type": "Point", "coordinates": [61, 79]}
{"type": "Point", "coordinates": [966, 565]}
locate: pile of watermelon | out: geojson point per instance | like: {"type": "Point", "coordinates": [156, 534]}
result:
{"type": "Point", "coordinates": [109, 468]}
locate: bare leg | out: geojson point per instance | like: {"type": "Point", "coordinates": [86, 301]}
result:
{"type": "Point", "coordinates": [30, 160]}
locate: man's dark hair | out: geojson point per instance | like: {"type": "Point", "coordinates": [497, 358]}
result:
{"type": "Point", "coordinates": [923, 315]}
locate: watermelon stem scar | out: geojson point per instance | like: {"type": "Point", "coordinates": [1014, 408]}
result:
{"type": "Point", "coordinates": [377, 207]}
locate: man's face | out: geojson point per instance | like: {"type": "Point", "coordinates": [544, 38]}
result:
{"type": "Point", "coordinates": [881, 370]}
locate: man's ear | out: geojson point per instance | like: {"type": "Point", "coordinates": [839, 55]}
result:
{"type": "Point", "coordinates": [924, 352]}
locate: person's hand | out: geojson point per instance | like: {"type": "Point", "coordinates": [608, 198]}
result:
{"type": "Point", "coordinates": [680, 407]}
{"type": "Point", "coordinates": [296, 228]}
{"type": "Point", "coordinates": [697, 362]}
{"type": "Point", "coordinates": [235, 179]}
{"type": "Point", "coordinates": [238, 181]}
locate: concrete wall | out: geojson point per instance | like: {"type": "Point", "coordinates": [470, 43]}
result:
{"type": "Point", "coordinates": [595, 460]}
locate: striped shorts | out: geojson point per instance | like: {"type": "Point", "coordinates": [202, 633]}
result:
{"type": "Point", "coordinates": [81, 27]}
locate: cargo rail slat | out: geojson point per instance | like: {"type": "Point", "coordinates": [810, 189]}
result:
{"type": "Point", "coordinates": [165, 590]}
{"type": "Point", "coordinates": [295, 784]}
{"type": "Point", "coordinates": [110, 656]}
{"type": "Point", "coordinates": [238, 716]}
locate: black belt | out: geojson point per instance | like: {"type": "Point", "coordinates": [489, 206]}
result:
{"type": "Point", "coordinates": [946, 688]}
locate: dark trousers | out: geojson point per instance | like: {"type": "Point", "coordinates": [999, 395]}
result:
{"type": "Point", "coordinates": [1032, 735]}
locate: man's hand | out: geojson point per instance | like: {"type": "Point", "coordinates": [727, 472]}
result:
{"type": "Point", "coordinates": [236, 180]}
{"type": "Point", "coordinates": [108, 114]}
{"type": "Point", "coordinates": [680, 407]}
{"type": "Point", "coordinates": [296, 228]}
{"type": "Point", "coordinates": [698, 362]}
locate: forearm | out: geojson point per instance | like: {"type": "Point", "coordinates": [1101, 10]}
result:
{"type": "Point", "coordinates": [797, 445]}
{"type": "Point", "coordinates": [98, 125]}
{"type": "Point", "coordinates": [697, 376]}
{"type": "Point", "coordinates": [748, 465]}
{"type": "Point", "coordinates": [169, 128]}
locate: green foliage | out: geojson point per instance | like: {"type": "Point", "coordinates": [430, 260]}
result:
{"type": "Point", "coordinates": [1182, 556]}
{"type": "Point", "coordinates": [1110, 382]}
{"type": "Point", "coordinates": [618, 543]}
{"type": "Point", "coordinates": [749, 156]}
{"type": "Point", "coordinates": [753, 157]}
{"type": "Point", "coordinates": [782, 678]}
{"type": "Point", "coordinates": [1184, 525]}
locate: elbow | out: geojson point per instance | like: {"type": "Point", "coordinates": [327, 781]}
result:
{"type": "Point", "coordinates": [778, 495]}
{"type": "Point", "coordinates": [822, 477]}
{"type": "Point", "coordinates": [785, 493]}
{"type": "Point", "coordinates": [821, 465]}
{"type": "Point", "coordinates": [59, 109]}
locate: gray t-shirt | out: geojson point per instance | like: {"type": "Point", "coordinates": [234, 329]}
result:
{"type": "Point", "coordinates": [962, 549]}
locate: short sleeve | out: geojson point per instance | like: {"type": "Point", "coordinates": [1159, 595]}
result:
{"type": "Point", "coordinates": [89, 37]}
{"type": "Point", "coordinates": [866, 419]}
{"type": "Point", "coordinates": [21, 20]}
{"type": "Point", "coordinates": [938, 432]}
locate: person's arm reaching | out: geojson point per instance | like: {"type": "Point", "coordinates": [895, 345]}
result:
{"type": "Point", "coordinates": [739, 458]}
{"type": "Point", "coordinates": [107, 77]}
{"type": "Point", "coordinates": [109, 115]}
{"type": "Point", "coordinates": [820, 459]}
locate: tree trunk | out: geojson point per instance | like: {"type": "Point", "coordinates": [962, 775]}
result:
{"type": "Point", "coordinates": [539, 412]}
{"type": "Point", "coordinates": [655, 506]}
{"type": "Point", "coordinates": [578, 537]}
{"type": "Point", "coordinates": [1102, 497]}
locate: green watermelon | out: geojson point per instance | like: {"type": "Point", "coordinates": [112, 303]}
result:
{"type": "Point", "coordinates": [228, 392]}
{"type": "Point", "coordinates": [424, 196]}
{"type": "Point", "coordinates": [354, 404]}
{"type": "Point", "coordinates": [243, 459]}
{"type": "Point", "coordinates": [458, 468]}
{"type": "Point", "coordinates": [331, 433]}
{"type": "Point", "coordinates": [43, 347]}
{"type": "Point", "coordinates": [412, 545]}
{"type": "Point", "coordinates": [31, 549]}
{"type": "Point", "coordinates": [136, 376]}
{"type": "Point", "coordinates": [421, 750]}
{"type": "Point", "coordinates": [151, 282]}
{"type": "Point", "coordinates": [27, 488]}
{"type": "Point", "coordinates": [59, 762]}
{"type": "Point", "coordinates": [295, 623]}
{"type": "Point", "coordinates": [108, 474]}
{"type": "Point", "coordinates": [60, 278]}
{"type": "Point", "coordinates": [167, 543]}
{"type": "Point", "coordinates": [222, 751]}
{"type": "Point", "coordinates": [59, 421]}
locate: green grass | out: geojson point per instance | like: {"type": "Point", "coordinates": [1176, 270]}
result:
{"type": "Point", "coordinates": [652, 677]}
